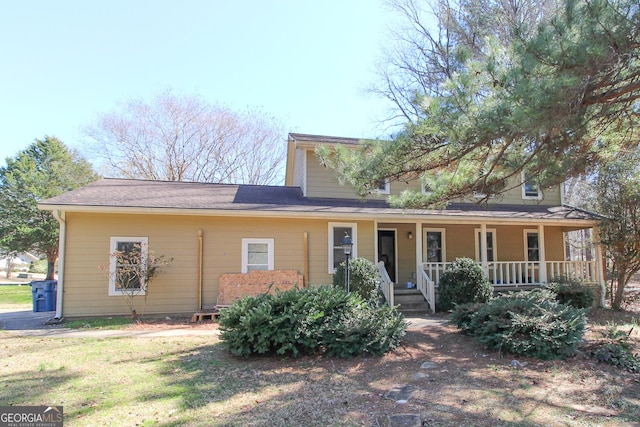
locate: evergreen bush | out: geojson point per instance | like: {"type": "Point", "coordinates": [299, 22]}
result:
{"type": "Point", "coordinates": [571, 292]}
{"type": "Point", "coordinates": [463, 282]}
{"type": "Point", "coordinates": [615, 349]}
{"type": "Point", "coordinates": [322, 320]}
{"type": "Point", "coordinates": [364, 278]}
{"type": "Point", "coordinates": [530, 323]}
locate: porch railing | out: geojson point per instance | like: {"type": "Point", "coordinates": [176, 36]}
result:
{"type": "Point", "coordinates": [428, 289]}
{"type": "Point", "coordinates": [386, 285]}
{"type": "Point", "coordinates": [585, 271]}
{"type": "Point", "coordinates": [517, 273]}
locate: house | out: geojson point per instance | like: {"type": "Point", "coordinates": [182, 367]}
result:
{"type": "Point", "coordinates": [211, 230]}
{"type": "Point", "coordinates": [19, 262]}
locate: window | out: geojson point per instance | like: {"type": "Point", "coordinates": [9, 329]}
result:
{"type": "Point", "coordinates": [382, 186]}
{"type": "Point", "coordinates": [530, 189]}
{"type": "Point", "coordinates": [257, 254]}
{"type": "Point", "coordinates": [491, 245]}
{"type": "Point", "coordinates": [532, 245]}
{"type": "Point", "coordinates": [433, 245]}
{"type": "Point", "coordinates": [426, 189]}
{"type": "Point", "coordinates": [337, 231]}
{"type": "Point", "coordinates": [122, 250]}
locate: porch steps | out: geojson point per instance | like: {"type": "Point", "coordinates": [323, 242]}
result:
{"type": "Point", "coordinates": [411, 302]}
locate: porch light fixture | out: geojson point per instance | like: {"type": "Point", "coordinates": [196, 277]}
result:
{"type": "Point", "coordinates": [347, 245]}
{"type": "Point", "coordinates": [409, 235]}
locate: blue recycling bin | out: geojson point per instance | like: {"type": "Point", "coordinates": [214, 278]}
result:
{"type": "Point", "coordinates": [51, 294]}
{"type": "Point", "coordinates": [44, 294]}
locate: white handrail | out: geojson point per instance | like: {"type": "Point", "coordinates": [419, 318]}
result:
{"type": "Point", "coordinates": [428, 289]}
{"type": "Point", "coordinates": [386, 285]}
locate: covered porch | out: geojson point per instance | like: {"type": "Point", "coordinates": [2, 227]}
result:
{"type": "Point", "coordinates": [513, 254]}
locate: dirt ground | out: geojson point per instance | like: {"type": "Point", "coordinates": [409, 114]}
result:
{"type": "Point", "coordinates": [453, 380]}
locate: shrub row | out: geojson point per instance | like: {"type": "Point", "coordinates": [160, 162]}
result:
{"type": "Point", "coordinates": [323, 320]}
{"type": "Point", "coordinates": [530, 323]}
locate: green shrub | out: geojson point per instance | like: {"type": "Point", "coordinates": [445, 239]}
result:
{"type": "Point", "coordinates": [463, 282]}
{"type": "Point", "coordinates": [571, 292]}
{"type": "Point", "coordinates": [364, 278]}
{"type": "Point", "coordinates": [531, 323]}
{"type": "Point", "coordinates": [616, 350]}
{"type": "Point", "coordinates": [307, 321]}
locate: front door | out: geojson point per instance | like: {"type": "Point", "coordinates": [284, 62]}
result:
{"type": "Point", "coordinates": [387, 252]}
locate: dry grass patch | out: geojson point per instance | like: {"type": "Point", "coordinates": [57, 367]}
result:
{"type": "Point", "coordinates": [193, 381]}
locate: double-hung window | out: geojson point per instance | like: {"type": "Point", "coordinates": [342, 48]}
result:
{"type": "Point", "coordinates": [532, 245]}
{"type": "Point", "coordinates": [426, 188]}
{"type": "Point", "coordinates": [434, 245]}
{"type": "Point", "coordinates": [127, 265]}
{"type": "Point", "coordinates": [383, 186]}
{"type": "Point", "coordinates": [530, 189]}
{"type": "Point", "coordinates": [337, 232]}
{"type": "Point", "coordinates": [257, 254]}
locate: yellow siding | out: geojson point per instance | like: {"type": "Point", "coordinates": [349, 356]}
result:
{"type": "Point", "coordinates": [175, 290]}
{"type": "Point", "coordinates": [460, 241]}
{"type": "Point", "coordinates": [322, 182]}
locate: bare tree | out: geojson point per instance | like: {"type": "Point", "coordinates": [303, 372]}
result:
{"type": "Point", "coordinates": [435, 38]}
{"type": "Point", "coordinates": [132, 269]}
{"type": "Point", "coordinates": [185, 138]}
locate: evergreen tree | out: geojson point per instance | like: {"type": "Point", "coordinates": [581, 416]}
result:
{"type": "Point", "coordinates": [540, 105]}
{"type": "Point", "coordinates": [45, 169]}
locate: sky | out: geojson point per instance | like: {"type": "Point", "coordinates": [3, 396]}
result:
{"type": "Point", "coordinates": [308, 63]}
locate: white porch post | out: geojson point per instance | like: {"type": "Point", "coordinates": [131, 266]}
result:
{"type": "Point", "coordinates": [483, 248]}
{"type": "Point", "coordinates": [599, 266]}
{"type": "Point", "coordinates": [375, 241]}
{"type": "Point", "coordinates": [542, 271]}
{"type": "Point", "coordinates": [418, 233]}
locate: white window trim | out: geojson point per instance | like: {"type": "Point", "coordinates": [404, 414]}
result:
{"type": "Point", "coordinates": [354, 239]}
{"type": "Point", "coordinates": [424, 190]}
{"type": "Point", "coordinates": [387, 188]}
{"type": "Point", "coordinates": [245, 252]}
{"type": "Point", "coordinates": [495, 244]}
{"type": "Point", "coordinates": [424, 243]}
{"type": "Point", "coordinates": [113, 247]}
{"type": "Point", "coordinates": [526, 243]}
{"type": "Point", "coordinates": [524, 192]}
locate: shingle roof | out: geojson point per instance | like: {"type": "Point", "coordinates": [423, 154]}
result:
{"type": "Point", "coordinates": [124, 194]}
{"type": "Point", "coordinates": [323, 139]}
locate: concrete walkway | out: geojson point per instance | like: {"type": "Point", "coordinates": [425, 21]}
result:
{"type": "Point", "coordinates": [28, 323]}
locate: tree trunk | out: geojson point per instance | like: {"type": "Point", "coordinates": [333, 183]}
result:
{"type": "Point", "coordinates": [618, 298]}
{"type": "Point", "coordinates": [51, 267]}
{"type": "Point", "coordinates": [9, 267]}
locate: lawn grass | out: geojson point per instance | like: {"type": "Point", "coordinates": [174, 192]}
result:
{"type": "Point", "coordinates": [15, 296]}
{"type": "Point", "coordinates": [99, 323]}
{"type": "Point", "coordinates": [194, 381]}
